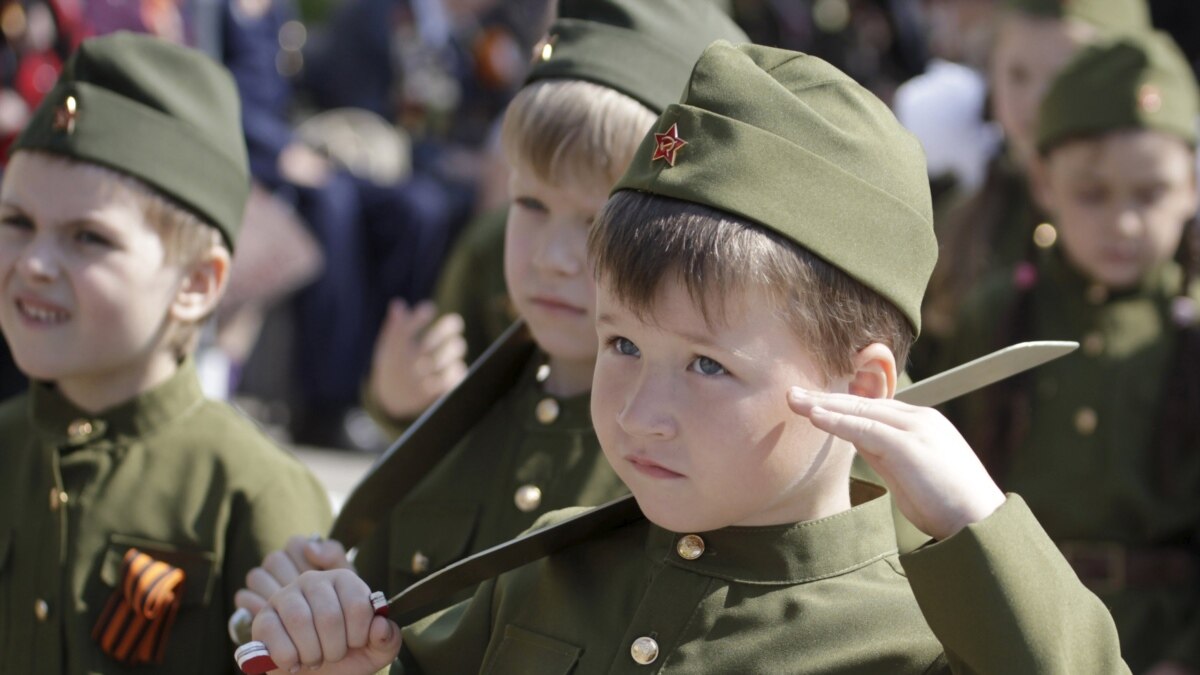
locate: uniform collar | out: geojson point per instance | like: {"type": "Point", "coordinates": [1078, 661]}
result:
{"type": "Point", "coordinates": [62, 423]}
{"type": "Point", "coordinates": [788, 554]}
{"type": "Point", "coordinates": [541, 410]}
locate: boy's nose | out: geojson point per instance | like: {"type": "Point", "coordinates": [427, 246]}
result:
{"type": "Point", "coordinates": [38, 262]}
{"type": "Point", "coordinates": [646, 412]}
{"type": "Point", "coordinates": [557, 253]}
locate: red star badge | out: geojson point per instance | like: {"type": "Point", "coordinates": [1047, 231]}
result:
{"type": "Point", "coordinates": [64, 116]}
{"type": "Point", "coordinates": [667, 145]}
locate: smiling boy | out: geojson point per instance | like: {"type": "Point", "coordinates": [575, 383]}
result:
{"type": "Point", "coordinates": [759, 274]}
{"type": "Point", "coordinates": [131, 507]}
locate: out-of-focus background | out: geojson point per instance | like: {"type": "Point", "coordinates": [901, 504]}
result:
{"type": "Point", "coordinates": [372, 128]}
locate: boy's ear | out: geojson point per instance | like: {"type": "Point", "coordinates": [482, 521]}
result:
{"type": "Point", "coordinates": [202, 287]}
{"type": "Point", "coordinates": [874, 373]}
{"type": "Point", "coordinates": [1039, 184]}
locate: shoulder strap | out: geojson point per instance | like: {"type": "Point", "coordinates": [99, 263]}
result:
{"type": "Point", "coordinates": [433, 435]}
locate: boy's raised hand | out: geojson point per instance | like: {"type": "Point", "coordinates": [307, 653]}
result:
{"type": "Point", "coordinates": [325, 622]}
{"type": "Point", "coordinates": [936, 479]}
{"type": "Point", "coordinates": [416, 359]}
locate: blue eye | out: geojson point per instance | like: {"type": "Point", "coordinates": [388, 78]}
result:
{"type": "Point", "coordinates": [706, 366]}
{"type": "Point", "coordinates": [625, 347]}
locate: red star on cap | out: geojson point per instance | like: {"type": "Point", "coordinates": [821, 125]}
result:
{"type": "Point", "coordinates": [667, 145]}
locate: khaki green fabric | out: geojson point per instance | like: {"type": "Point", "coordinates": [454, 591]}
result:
{"type": "Point", "coordinates": [790, 142]}
{"type": "Point", "coordinates": [1135, 82]}
{"type": "Point", "coordinates": [1101, 484]}
{"type": "Point", "coordinates": [165, 114]}
{"type": "Point", "coordinates": [472, 282]}
{"type": "Point", "coordinates": [818, 597]}
{"type": "Point", "coordinates": [1110, 15]}
{"type": "Point", "coordinates": [175, 475]}
{"type": "Point", "coordinates": [468, 503]}
{"type": "Point", "coordinates": [644, 50]}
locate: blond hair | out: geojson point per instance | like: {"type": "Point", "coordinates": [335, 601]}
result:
{"type": "Point", "coordinates": [640, 239]}
{"type": "Point", "coordinates": [573, 133]}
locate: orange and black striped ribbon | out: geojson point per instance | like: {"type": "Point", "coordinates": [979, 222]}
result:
{"type": "Point", "coordinates": [136, 621]}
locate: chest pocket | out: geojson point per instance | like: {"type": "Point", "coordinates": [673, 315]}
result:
{"type": "Point", "coordinates": [184, 649]}
{"type": "Point", "coordinates": [426, 537]}
{"type": "Point", "coordinates": [524, 652]}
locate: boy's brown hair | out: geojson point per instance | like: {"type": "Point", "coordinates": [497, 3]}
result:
{"type": "Point", "coordinates": [573, 133]}
{"type": "Point", "coordinates": [641, 239]}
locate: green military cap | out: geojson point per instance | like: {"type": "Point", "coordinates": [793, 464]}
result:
{"type": "Point", "coordinates": [1108, 15]}
{"type": "Point", "coordinates": [1133, 82]}
{"type": "Point", "coordinates": [167, 115]}
{"type": "Point", "coordinates": [642, 49]}
{"type": "Point", "coordinates": [790, 142]}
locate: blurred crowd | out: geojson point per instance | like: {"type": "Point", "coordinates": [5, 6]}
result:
{"type": "Point", "coordinates": [372, 132]}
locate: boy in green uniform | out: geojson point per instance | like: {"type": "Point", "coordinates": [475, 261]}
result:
{"type": "Point", "coordinates": [568, 134]}
{"type": "Point", "coordinates": [760, 269]}
{"type": "Point", "coordinates": [994, 228]}
{"type": "Point", "coordinates": [131, 507]}
{"type": "Point", "coordinates": [1103, 444]}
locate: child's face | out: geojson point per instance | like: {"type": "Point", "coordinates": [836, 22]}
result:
{"type": "Point", "coordinates": [545, 263]}
{"type": "Point", "coordinates": [85, 289]}
{"type": "Point", "coordinates": [695, 418]}
{"type": "Point", "coordinates": [1027, 55]}
{"type": "Point", "coordinates": [1120, 202]}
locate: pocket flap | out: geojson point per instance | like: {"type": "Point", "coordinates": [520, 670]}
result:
{"type": "Point", "coordinates": [197, 565]}
{"type": "Point", "coordinates": [528, 653]}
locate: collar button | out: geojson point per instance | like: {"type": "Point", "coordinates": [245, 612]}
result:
{"type": "Point", "coordinates": [690, 547]}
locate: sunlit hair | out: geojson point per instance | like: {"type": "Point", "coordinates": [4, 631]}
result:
{"type": "Point", "coordinates": [639, 240]}
{"type": "Point", "coordinates": [572, 133]}
{"type": "Point", "coordinates": [186, 237]}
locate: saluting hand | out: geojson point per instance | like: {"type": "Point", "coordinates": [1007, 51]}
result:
{"type": "Point", "coordinates": [937, 481]}
{"type": "Point", "coordinates": [325, 622]}
{"type": "Point", "coordinates": [416, 359]}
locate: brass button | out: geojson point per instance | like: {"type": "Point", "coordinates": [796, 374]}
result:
{"type": "Point", "coordinates": [546, 411]}
{"type": "Point", "coordinates": [420, 563]}
{"type": "Point", "coordinates": [1096, 294]}
{"type": "Point", "coordinates": [1045, 235]}
{"type": "Point", "coordinates": [548, 48]}
{"type": "Point", "coordinates": [528, 497]}
{"type": "Point", "coordinates": [1093, 344]}
{"type": "Point", "coordinates": [1086, 421]}
{"type": "Point", "coordinates": [543, 373]}
{"type": "Point", "coordinates": [690, 547]}
{"type": "Point", "coordinates": [79, 429]}
{"type": "Point", "coordinates": [644, 650]}
{"type": "Point", "coordinates": [41, 610]}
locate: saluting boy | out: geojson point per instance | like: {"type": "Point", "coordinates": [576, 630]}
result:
{"type": "Point", "coordinates": [1104, 443]}
{"type": "Point", "coordinates": [568, 135]}
{"type": "Point", "coordinates": [131, 507]}
{"type": "Point", "coordinates": [760, 269]}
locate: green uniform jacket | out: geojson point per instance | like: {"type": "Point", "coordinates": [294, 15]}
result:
{"type": "Point", "coordinates": [529, 454]}
{"type": "Point", "coordinates": [826, 596]}
{"type": "Point", "coordinates": [1086, 464]}
{"type": "Point", "coordinates": [179, 477]}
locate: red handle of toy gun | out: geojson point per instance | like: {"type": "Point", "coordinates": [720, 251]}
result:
{"type": "Point", "coordinates": [254, 659]}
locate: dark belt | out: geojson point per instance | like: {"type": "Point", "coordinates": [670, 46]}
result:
{"type": "Point", "coordinates": [1109, 567]}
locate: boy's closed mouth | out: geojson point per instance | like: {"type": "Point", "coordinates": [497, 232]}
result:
{"type": "Point", "coordinates": [553, 304]}
{"type": "Point", "coordinates": [39, 311]}
{"type": "Point", "coordinates": [651, 468]}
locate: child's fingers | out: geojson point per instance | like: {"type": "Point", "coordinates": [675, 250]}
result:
{"type": "Point", "coordinates": [296, 615]}
{"type": "Point", "coordinates": [249, 600]}
{"type": "Point", "coordinates": [262, 582]}
{"type": "Point", "coordinates": [869, 436]}
{"type": "Point", "coordinates": [357, 610]}
{"type": "Point", "coordinates": [448, 353]}
{"type": "Point", "coordinates": [281, 566]}
{"type": "Point", "coordinates": [326, 554]}
{"type": "Point", "coordinates": [268, 628]}
{"type": "Point", "coordinates": [886, 411]}
{"type": "Point", "coordinates": [441, 331]}
{"type": "Point", "coordinates": [384, 639]}
{"type": "Point", "coordinates": [329, 622]}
